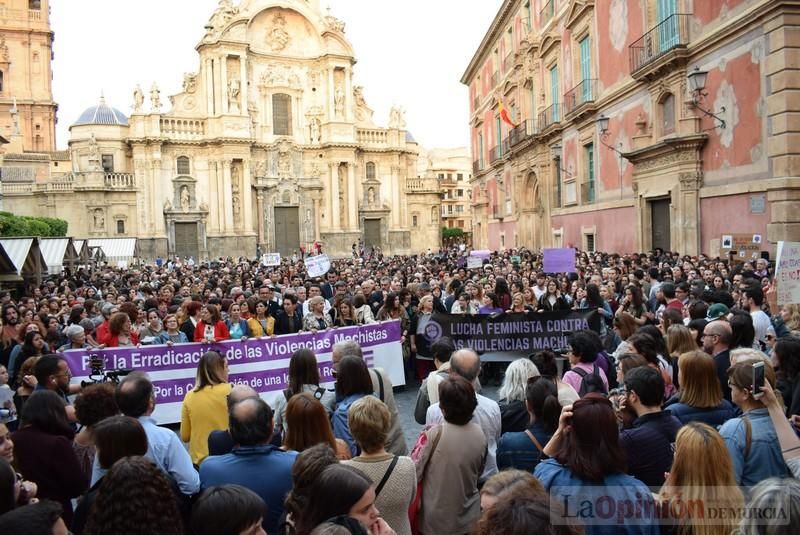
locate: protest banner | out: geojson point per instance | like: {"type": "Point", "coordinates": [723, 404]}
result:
{"type": "Point", "coordinates": [262, 363]}
{"type": "Point", "coordinates": [787, 273]}
{"type": "Point", "coordinates": [741, 247]}
{"type": "Point", "coordinates": [317, 266]}
{"type": "Point", "coordinates": [474, 262]}
{"type": "Point", "coordinates": [271, 259]}
{"type": "Point", "coordinates": [523, 333]}
{"type": "Point", "coordinates": [561, 260]}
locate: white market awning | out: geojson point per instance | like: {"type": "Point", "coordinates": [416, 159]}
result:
{"type": "Point", "coordinates": [57, 253]}
{"type": "Point", "coordinates": [119, 252]}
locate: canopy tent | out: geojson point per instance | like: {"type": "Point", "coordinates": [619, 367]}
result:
{"type": "Point", "coordinates": [58, 253]}
{"type": "Point", "coordinates": [26, 257]}
{"type": "Point", "coordinates": [119, 252]}
{"type": "Point", "coordinates": [82, 248]}
{"type": "Point", "coordinates": [8, 272]}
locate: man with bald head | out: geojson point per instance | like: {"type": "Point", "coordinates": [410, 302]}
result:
{"type": "Point", "coordinates": [467, 364]}
{"type": "Point", "coordinates": [220, 442]}
{"type": "Point", "coordinates": [253, 463]}
{"type": "Point", "coordinates": [717, 342]}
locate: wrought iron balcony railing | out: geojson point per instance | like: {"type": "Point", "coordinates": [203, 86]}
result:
{"type": "Point", "coordinates": [581, 94]}
{"type": "Point", "coordinates": [669, 34]}
{"type": "Point", "coordinates": [550, 116]}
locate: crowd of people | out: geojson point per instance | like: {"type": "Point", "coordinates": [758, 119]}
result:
{"type": "Point", "coordinates": [685, 391]}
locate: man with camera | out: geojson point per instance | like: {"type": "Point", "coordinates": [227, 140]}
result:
{"type": "Point", "coordinates": [53, 373]}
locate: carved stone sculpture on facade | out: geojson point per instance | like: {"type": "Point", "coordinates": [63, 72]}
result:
{"type": "Point", "coordinates": [138, 99]}
{"type": "Point", "coordinates": [190, 82]}
{"type": "Point", "coordinates": [234, 88]}
{"type": "Point", "coordinates": [155, 98]}
{"type": "Point", "coordinates": [397, 118]}
{"type": "Point", "coordinates": [99, 219]}
{"type": "Point", "coordinates": [314, 130]}
{"type": "Point", "coordinates": [277, 36]}
{"type": "Point", "coordinates": [338, 101]}
{"type": "Point", "coordinates": [94, 150]}
{"type": "Point", "coordinates": [185, 199]}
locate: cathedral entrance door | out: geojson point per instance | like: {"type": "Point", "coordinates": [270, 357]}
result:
{"type": "Point", "coordinates": [660, 224]}
{"type": "Point", "coordinates": [287, 230]}
{"type": "Point", "coordinates": [186, 240]}
{"type": "Point", "coordinates": [372, 232]}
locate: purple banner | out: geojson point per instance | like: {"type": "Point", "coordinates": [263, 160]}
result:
{"type": "Point", "coordinates": [263, 363]}
{"type": "Point", "coordinates": [559, 260]}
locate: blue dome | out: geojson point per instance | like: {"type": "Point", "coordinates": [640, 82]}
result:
{"type": "Point", "coordinates": [410, 138]}
{"type": "Point", "coordinates": [102, 114]}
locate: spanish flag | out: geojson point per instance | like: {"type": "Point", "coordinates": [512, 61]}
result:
{"type": "Point", "coordinates": [504, 115]}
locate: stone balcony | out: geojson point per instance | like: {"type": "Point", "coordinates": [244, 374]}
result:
{"type": "Point", "coordinates": [120, 181]}
{"type": "Point", "coordinates": [422, 185]}
{"type": "Point", "coordinates": [188, 129]}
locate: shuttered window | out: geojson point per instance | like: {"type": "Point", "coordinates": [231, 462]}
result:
{"type": "Point", "coordinates": [282, 114]}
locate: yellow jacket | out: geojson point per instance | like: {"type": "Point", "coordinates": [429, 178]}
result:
{"type": "Point", "coordinates": [202, 412]}
{"type": "Point", "coordinates": [257, 330]}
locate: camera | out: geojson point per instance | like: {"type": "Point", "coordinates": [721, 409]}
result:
{"type": "Point", "coordinates": [98, 373]}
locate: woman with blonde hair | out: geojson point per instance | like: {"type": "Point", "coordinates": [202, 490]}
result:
{"type": "Point", "coordinates": [205, 407]}
{"type": "Point", "coordinates": [513, 412]}
{"type": "Point", "coordinates": [700, 397]}
{"type": "Point", "coordinates": [316, 319]}
{"type": "Point", "coordinates": [679, 340]}
{"type": "Point", "coordinates": [702, 472]}
{"type": "Point", "coordinates": [420, 345]}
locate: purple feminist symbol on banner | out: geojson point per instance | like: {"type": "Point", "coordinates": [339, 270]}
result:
{"type": "Point", "coordinates": [433, 331]}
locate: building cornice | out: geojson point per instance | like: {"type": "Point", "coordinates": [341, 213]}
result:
{"type": "Point", "coordinates": [492, 34]}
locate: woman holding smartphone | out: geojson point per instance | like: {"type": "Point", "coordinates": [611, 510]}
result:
{"type": "Point", "coordinates": [751, 439]}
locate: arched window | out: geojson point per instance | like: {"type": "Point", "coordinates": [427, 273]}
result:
{"type": "Point", "coordinates": [184, 166]}
{"type": "Point", "coordinates": [667, 114]}
{"type": "Point", "coordinates": [370, 170]}
{"type": "Point", "coordinates": [281, 115]}
{"type": "Point", "coordinates": [120, 226]}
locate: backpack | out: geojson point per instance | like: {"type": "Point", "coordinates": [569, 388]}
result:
{"type": "Point", "coordinates": [611, 376]}
{"type": "Point", "coordinates": [590, 382]}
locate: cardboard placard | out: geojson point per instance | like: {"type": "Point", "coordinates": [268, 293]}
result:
{"type": "Point", "coordinates": [741, 247]}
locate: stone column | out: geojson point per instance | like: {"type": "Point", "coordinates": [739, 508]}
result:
{"type": "Point", "coordinates": [247, 196]}
{"type": "Point", "coordinates": [151, 209]}
{"type": "Point", "coordinates": [223, 90]}
{"type": "Point", "coordinates": [208, 77]}
{"type": "Point", "coordinates": [331, 96]}
{"type": "Point", "coordinates": [243, 85]}
{"type": "Point", "coordinates": [395, 201]}
{"type": "Point", "coordinates": [316, 217]}
{"type": "Point", "coordinates": [348, 94]}
{"type": "Point", "coordinates": [227, 200]}
{"type": "Point", "coordinates": [260, 217]}
{"type": "Point", "coordinates": [352, 186]}
{"type": "Point", "coordinates": [333, 213]}
{"type": "Point", "coordinates": [687, 237]}
{"type": "Point", "coordinates": [782, 29]}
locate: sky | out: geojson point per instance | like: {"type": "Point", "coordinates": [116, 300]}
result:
{"type": "Point", "coordinates": [410, 53]}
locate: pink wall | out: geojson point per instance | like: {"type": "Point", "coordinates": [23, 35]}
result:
{"type": "Point", "coordinates": [717, 218]}
{"type": "Point", "coordinates": [620, 130]}
{"type": "Point", "coordinates": [618, 25]}
{"type": "Point", "coordinates": [706, 11]}
{"type": "Point", "coordinates": [616, 229]}
{"type": "Point", "coordinates": [495, 229]}
{"type": "Point", "coordinates": [738, 89]}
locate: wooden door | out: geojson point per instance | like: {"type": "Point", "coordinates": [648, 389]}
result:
{"type": "Point", "coordinates": [186, 240]}
{"type": "Point", "coordinates": [287, 230]}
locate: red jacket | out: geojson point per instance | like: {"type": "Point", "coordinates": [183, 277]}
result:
{"type": "Point", "coordinates": [220, 331]}
{"type": "Point", "coordinates": [101, 334]}
{"type": "Point", "coordinates": [112, 340]}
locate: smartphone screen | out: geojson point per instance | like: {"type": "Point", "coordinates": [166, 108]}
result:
{"type": "Point", "coordinates": [758, 379]}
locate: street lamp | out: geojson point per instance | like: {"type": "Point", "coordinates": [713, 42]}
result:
{"type": "Point", "coordinates": [697, 85]}
{"type": "Point", "coordinates": [602, 125]}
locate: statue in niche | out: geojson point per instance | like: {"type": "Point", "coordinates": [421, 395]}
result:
{"type": "Point", "coordinates": [138, 99]}
{"type": "Point", "coordinates": [99, 219]}
{"type": "Point", "coordinates": [237, 209]}
{"type": "Point", "coordinates": [233, 95]}
{"type": "Point", "coordinates": [185, 199]}
{"type": "Point", "coordinates": [284, 160]}
{"type": "Point", "coordinates": [155, 98]}
{"type": "Point", "coordinates": [371, 196]}
{"type": "Point", "coordinates": [338, 101]}
{"type": "Point", "coordinates": [314, 127]}
{"type": "Point", "coordinates": [261, 169]}
{"type": "Point", "coordinates": [189, 82]}
{"type": "Point", "coordinates": [235, 179]}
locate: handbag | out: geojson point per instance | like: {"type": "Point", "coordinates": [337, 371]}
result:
{"type": "Point", "coordinates": [416, 506]}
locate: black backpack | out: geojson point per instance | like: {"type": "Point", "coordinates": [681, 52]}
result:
{"type": "Point", "coordinates": [590, 382]}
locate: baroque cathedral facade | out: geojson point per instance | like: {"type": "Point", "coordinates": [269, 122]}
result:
{"type": "Point", "coordinates": [269, 147]}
